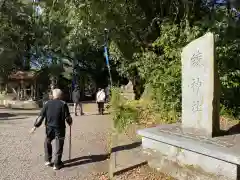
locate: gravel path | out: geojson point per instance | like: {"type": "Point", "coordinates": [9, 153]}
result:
{"type": "Point", "coordinates": [21, 154]}
{"type": "Point", "coordinates": [143, 173]}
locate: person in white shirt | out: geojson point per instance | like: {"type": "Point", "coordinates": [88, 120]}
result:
{"type": "Point", "coordinates": [100, 99]}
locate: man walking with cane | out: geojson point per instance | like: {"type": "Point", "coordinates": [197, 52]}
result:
{"type": "Point", "coordinates": [55, 112]}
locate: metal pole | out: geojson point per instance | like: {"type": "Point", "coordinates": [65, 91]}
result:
{"type": "Point", "coordinates": [106, 54]}
{"type": "Point", "coordinates": [74, 74]}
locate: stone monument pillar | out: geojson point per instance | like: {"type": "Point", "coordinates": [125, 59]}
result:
{"type": "Point", "coordinates": [189, 150]}
{"type": "Point", "coordinates": [200, 86]}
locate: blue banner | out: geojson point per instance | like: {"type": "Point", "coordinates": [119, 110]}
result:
{"type": "Point", "coordinates": [74, 75]}
{"type": "Point", "coordinates": [106, 55]}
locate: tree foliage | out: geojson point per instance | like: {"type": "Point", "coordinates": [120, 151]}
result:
{"type": "Point", "coordinates": [15, 34]}
{"type": "Point", "coordinates": [145, 41]}
{"type": "Point", "coordinates": [147, 38]}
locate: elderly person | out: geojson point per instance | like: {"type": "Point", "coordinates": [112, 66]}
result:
{"type": "Point", "coordinates": [55, 112]}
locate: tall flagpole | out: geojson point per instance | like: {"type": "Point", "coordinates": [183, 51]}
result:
{"type": "Point", "coordinates": [74, 74]}
{"type": "Point", "coordinates": [106, 54]}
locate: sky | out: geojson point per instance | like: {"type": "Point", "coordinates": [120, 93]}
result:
{"type": "Point", "coordinates": [220, 1]}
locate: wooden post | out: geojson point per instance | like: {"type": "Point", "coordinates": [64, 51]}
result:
{"type": "Point", "coordinates": [32, 89]}
{"type": "Point", "coordinates": [19, 92]}
{"type": "Point", "coordinates": [1, 85]}
{"type": "Point", "coordinates": [6, 87]}
{"type": "Point", "coordinates": [22, 90]}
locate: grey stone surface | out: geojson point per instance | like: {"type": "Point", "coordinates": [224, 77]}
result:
{"type": "Point", "coordinates": [127, 91]}
{"type": "Point", "coordinates": [200, 89]}
{"type": "Point", "coordinates": [162, 163]}
{"type": "Point", "coordinates": [219, 156]}
{"type": "Point", "coordinates": [224, 148]}
{"type": "Point", "coordinates": [16, 104]}
{"type": "Point", "coordinates": [128, 87]}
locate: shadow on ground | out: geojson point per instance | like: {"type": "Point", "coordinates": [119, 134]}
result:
{"type": "Point", "coordinates": [16, 115]}
{"type": "Point", "coordinates": [127, 147]}
{"type": "Point", "coordinates": [98, 158]}
{"type": "Point", "coordinates": [85, 160]}
{"type": "Point", "coordinates": [233, 130]}
{"type": "Point", "coordinates": [12, 119]}
{"type": "Point", "coordinates": [7, 115]}
{"type": "Point", "coordinates": [95, 114]}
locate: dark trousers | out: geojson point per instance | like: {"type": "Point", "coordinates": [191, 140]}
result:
{"type": "Point", "coordinates": [107, 98]}
{"type": "Point", "coordinates": [100, 107]}
{"type": "Point", "coordinates": [76, 105]}
{"type": "Point", "coordinates": [44, 102]}
{"type": "Point", "coordinates": [59, 136]}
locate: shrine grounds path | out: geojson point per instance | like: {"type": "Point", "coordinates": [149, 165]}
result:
{"type": "Point", "coordinates": [22, 157]}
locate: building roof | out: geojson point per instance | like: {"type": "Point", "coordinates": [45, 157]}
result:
{"type": "Point", "coordinates": [23, 75]}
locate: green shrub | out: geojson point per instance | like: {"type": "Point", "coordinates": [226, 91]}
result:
{"type": "Point", "coordinates": [160, 68]}
{"type": "Point", "coordinates": [144, 111]}
{"type": "Point", "coordinates": [123, 112]}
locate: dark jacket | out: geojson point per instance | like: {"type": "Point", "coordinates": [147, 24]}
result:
{"type": "Point", "coordinates": [55, 112]}
{"type": "Point", "coordinates": [107, 91]}
{"type": "Point", "coordinates": [76, 95]}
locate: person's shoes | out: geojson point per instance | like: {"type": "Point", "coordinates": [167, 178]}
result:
{"type": "Point", "coordinates": [82, 114]}
{"type": "Point", "coordinates": [75, 114]}
{"type": "Point", "coordinates": [48, 163]}
{"type": "Point", "coordinates": [57, 167]}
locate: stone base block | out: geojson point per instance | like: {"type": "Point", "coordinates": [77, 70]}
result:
{"type": "Point", "coordinates": [21, 104]}
{"type": "Point", "coordinates": [191, 158]}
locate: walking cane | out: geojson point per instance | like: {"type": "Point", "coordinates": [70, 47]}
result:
{"type": "Point", "coordinates": [70, 142]}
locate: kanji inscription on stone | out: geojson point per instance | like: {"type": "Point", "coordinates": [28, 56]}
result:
{"type": "Point", "coordinates": [196, 106]}
{"type": "Point", "coordinates": [196, 59]}
{"type": "Point", "coordinates": [200, 86]}
{"type": "Point", "coordinates": [196, 85]}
